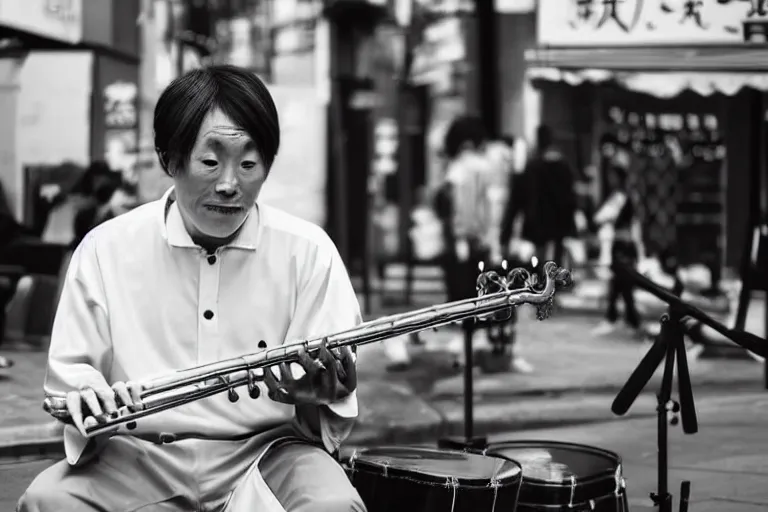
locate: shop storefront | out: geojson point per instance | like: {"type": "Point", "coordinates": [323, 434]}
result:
{"type": "Point", "coordinates": [682, 87]}
{"type": "Point", "coordinates": [69, 92]}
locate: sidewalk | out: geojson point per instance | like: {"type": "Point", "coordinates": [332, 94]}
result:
{"type": "Point", "coordinates": [575, 381]}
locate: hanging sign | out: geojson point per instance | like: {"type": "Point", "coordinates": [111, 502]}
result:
{"type": "Point", "coordinates": [55, 19]}
{"type": "Point", "coordinates": [651, 22]}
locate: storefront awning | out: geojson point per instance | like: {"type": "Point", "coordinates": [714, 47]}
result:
{"type": "Point", "coordinates": [661, 72]}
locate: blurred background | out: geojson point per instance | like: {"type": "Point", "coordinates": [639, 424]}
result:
{"type": "Point", "coordinates": [669, 94]}
{"type": "Point", "coordinates": [367, 89]}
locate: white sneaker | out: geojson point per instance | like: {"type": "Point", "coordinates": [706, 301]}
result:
{"type": "Point", "coordinates": [604, 328]}
{"type": "Point", "coordinates": [520, 365]}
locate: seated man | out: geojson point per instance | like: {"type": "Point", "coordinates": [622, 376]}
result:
{"type": "Point", "coordinates": [200, 276]}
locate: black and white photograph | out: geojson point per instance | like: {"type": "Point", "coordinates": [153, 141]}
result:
{"type": "Point", "coordinates": [383, 255]}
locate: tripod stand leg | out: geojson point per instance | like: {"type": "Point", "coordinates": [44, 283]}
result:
{"type": "Point", "coordinates": [663, 499]}
{"type": "Point", "coordinates": [639, 378]}
{"type": "Point", "coordinates": [685, 390]}
{"type": "Point", "coordinates": [685, 494]}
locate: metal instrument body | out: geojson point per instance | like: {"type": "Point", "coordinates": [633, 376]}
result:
{"type": "Point", "coordinates": [494, 295]}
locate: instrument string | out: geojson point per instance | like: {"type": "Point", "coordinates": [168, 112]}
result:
{"type": "Point", "coordinates": [495, 484]}
{"type": "Point", "coordinates": [573, 491]}
{"type": "Point", "coordinates": [453, 482]}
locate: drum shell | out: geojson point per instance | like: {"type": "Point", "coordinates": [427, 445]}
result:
{"type": "Point", "coordinates": [392, 489]}
{"type": "Point", "coordinates": [600, 491]}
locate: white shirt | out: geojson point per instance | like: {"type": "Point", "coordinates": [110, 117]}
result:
{"type": "Point", "coordinates": [135, 301]}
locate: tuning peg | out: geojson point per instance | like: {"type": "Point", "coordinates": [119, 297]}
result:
{"type": "Point", "coordinates": [253, 389]}
{"type": "Point", "coordinates": [480, 266]}
{"type": "Point", "coordinates": [504, 265]}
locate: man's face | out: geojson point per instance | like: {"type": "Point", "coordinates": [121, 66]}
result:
{"type": "Point", "coordinates": [220, 183]}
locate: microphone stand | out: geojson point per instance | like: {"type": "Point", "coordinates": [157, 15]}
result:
{"type": "Point", "coordinates": [669, 346]}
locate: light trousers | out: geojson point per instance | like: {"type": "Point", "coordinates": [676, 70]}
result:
{"type": "Point", "coordinates": [270, 472]}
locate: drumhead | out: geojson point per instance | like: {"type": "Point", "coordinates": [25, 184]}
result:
{"type": "Point", "coordinates": [555, 462]}
{"type": "Point", "coordinates": [435, 466]}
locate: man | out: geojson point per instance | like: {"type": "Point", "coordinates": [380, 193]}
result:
{"type": "Point", "coordinates": [544, 195]}
{"type": "Point", "coordinates": [199, 276]}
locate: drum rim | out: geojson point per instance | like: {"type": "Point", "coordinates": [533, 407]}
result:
{"type": "Point", "coordinates": [356, 465]}
{"type": "Point", "coordinates": [582, 482]}
{"type": "Point", "coordinates": [560, 444]}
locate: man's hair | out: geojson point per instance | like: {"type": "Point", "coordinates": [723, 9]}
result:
{"type": "Point", "coordinates": [183, 105]}
{"type": "Point", "coordinates": [464, 129]}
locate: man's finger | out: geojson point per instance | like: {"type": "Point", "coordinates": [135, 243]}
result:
{"type": "Point", "coordinates": [92, 402]}
{"type": "Point", "coordinates": [271, 381]}
{"type": "Point", "coordinates": [326, 357]}
{"type": "Point", "coordinates": [107, 399]}
{"type": "Point", "coordinates": [122, 393]}
{"type": "Point", "coordinates": [349, 367]}
{"type": "Point", "coordinates": [286, 376]}
{"type": "Point", "coordinates": [75, 408]}
{"type": "Point", "coordinates": [311, 366]}
{"type": "Point", "coordinates": [135, 389]}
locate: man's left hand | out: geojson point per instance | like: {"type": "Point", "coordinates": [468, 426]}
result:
{"type": "Point", "coordinates": [329, 377]}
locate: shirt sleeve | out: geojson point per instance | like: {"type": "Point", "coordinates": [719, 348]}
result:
{"type": "Point", "coordinates": [80, 348]}
{"type": "Point", "coordinates": [327, 304]}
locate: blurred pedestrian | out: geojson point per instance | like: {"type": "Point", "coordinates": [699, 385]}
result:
{"type": "Point", "coordinates": [544, 195]}
{"type": "Point", "coordinates": [504, 335]}
{"type": "Point", "coordinates": [619, 212]}
{"type": "Point", "coordinates": [462, 204]}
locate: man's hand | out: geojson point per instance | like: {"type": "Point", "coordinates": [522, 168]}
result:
{"type": "Point", "coordinates": [329, 377]}
{"type": "Point", "coordinates": [100, 404]}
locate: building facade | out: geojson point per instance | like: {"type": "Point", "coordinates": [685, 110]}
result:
{"type": "Point", "coordinates": [683, 88]}
{"type": "Point", "coordinates": [69, 85]}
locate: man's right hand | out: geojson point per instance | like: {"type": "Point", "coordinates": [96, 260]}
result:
{"type": "Point", "coordinates": [100, 404]}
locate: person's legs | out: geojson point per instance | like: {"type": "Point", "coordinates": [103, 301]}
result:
{"type": "Point", "coordinates": [305, 478]}
{"type": "Point", "coordinates": [611, 313]}
{"type": "Point", "coordinates": [123, 478]}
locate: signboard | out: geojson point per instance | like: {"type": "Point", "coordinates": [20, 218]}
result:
{"type": "Point", "coordinates": [650, 22]}
{"type": "Point", "coordinates": [55, 19]}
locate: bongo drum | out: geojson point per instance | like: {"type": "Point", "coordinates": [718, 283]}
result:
{"type": "Point", "coordinates": [565, 476]}
{"type": "Point", "coordinates": [429, 480]}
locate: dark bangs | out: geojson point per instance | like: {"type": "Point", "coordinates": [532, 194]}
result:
{"type": "Point", "coordinates": [240, 94]}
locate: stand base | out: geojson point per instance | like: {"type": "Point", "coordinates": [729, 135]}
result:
{"type": "Point", "coordinates": [462, 443]}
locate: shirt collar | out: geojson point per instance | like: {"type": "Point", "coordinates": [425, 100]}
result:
{"type": "Point", "coordinates": [175, 233]}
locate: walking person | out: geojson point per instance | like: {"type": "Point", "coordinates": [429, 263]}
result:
{"type": "Point", "coordinates": [504, 336]}
{"type": "Point", "coordinates": [619, 212]}
{"type": "Point", "coordinates": [544, 195]}
{"type": "Point", "coordinates": [462, 204]}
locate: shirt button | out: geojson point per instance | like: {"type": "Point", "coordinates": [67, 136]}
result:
{"type": "Point", "coordinates": [211, 259]}
{"type": "Point", "coordinates": [208, 314]}
{"type": "Point", "coordinates": [262, 344]}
